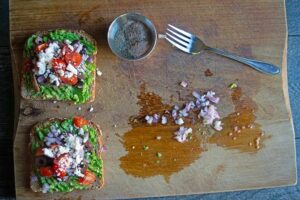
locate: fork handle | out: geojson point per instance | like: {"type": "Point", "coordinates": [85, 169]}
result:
{"type": "Point", "coordinates": [255, 64]}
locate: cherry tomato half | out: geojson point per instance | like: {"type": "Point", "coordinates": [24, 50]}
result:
{"type": "Point", "coordinates": [73, 58]}
{"type": "Point", "coordinates": [28, 66]}
{"type": "Point", "coordinates": [41, 47]}
{"type": "Point", "coordinates": [58, 64]}
{"type": "Point", "coordinates": [71, 81]}
{"type": "Point", "coordinates": [46, 171]}
{"type": "Point", "coordinates": [88, 179]}
{"type": "Point", "coordinates": [80, 121]}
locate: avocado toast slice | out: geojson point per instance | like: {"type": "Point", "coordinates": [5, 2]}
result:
{"type": "Point", "coordinates": [66, 155]}
{"type": "Point", "coordinates": [59, 65]}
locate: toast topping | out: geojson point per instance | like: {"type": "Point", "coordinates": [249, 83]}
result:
{"type": "Point", "coordinates": [59, 65]}
{"type": "Point", "coordinates": [66, 153]}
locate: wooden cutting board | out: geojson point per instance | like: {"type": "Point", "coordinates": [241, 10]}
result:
{"type": "Point", "coordinates": [209, 162]}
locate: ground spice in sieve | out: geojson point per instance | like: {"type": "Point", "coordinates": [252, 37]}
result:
{"type": "Point", "coordinates": [133, 39]}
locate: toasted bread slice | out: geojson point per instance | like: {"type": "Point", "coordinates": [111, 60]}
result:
{"type": "Point", "coordinates": [35, 184]}
{"type": "Point", "coordinates": [27, 93]}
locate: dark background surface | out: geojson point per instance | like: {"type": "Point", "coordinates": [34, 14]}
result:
{"type": "Point", "coordinates": [7, 108]}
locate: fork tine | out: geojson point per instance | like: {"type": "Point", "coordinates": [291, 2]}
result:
{"type": "Point", "coordinates": [181, 31]}
{"type": "Point", "coordinates": [183, 43]}
{"type": "Point", "coordinates": [179, 35]}
{"type": "Point", "coordinates": [178, 45]}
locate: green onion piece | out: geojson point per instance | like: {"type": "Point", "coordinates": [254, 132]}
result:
{"type": "Point", "coordinates": [159, 155]}
{"type": "Point", "coordinates": [232, 85]}
{"type": "Point", "coordinates": [145, 147]}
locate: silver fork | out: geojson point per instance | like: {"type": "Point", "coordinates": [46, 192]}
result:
{"type": "Point", "coordinates": [191, 44]}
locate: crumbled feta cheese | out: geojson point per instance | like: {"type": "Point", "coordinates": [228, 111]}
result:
{"type": "Point", "coordinates": [54, 79]}
{"type": "Point", "coordinates": [48, 152]}
{"type": "Point", "coordinates": [78, 172]}
{"type": "Point", "coordinates": [68, 74]}
{"type": "Point", "coordinates": [79, 48]}
{"type": "Point", "coordinates": [62, 150]}
{"type": "Point", "coordinates": [41, 68]}
{"type": "Point", "coordinates": [71, 47]}
{"type": "Point", "coordinates": [61, 72]}
{"type": "Point", "coordinates": [81, 131]}
{"type": "Point", "coordinates": [72, 69]}
{"type": "Point", "coordinates": [85, 138]}
{"type": "Point", "coordinates": [67, 41]}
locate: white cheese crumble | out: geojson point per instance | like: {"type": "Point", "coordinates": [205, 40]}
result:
{"type": "Point", "coordinates": [48, 152]}
{"type": "Point", "coordinates": [72, 69]}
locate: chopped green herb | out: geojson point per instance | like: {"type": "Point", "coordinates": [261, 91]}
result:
{"type": "Point", "coordinates": [232, 85]}
{"type": "Point", "coordinates": [159, 155]}
{"type": "Point", "coordinates": [145, 147]}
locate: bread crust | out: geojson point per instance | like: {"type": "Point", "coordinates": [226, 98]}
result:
{"type": "Point", "coordinates": [99, 183]}
{"type": "Point", "coordinates": [27, 94]}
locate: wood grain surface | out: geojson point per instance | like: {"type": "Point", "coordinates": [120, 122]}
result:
{"type": "Point", "coordinates": [257, 33]}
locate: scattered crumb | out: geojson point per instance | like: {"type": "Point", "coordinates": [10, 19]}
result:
{"type": "Point", "coordinates": [161, 36]}
{"type": "Point", "coordinates": [79, 108]}
{"type": "Point", "coordinates": [184, 84]}
{"type": "Point", "coordinates": [91, 109]}
{"type": "Point", "coordinates": [208, 73]}
{"type": "Point", "coordinates": [115, 125]}
{"type": "Point", "coordinates": [234, 138]}
{"type": "Point", "coordinates": [230, 134]}
{"type": "Point", "coordinates": [99, 73]}
{"type": "Point", "coordinates": [158, 137]}
{"type": "Point", "coordinates": [133, 147]}
{"type": "Point", "coordinates": [54, 101]}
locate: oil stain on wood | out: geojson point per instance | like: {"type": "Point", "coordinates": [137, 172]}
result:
{"type": "Point", "coordinates": [152, 149]}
